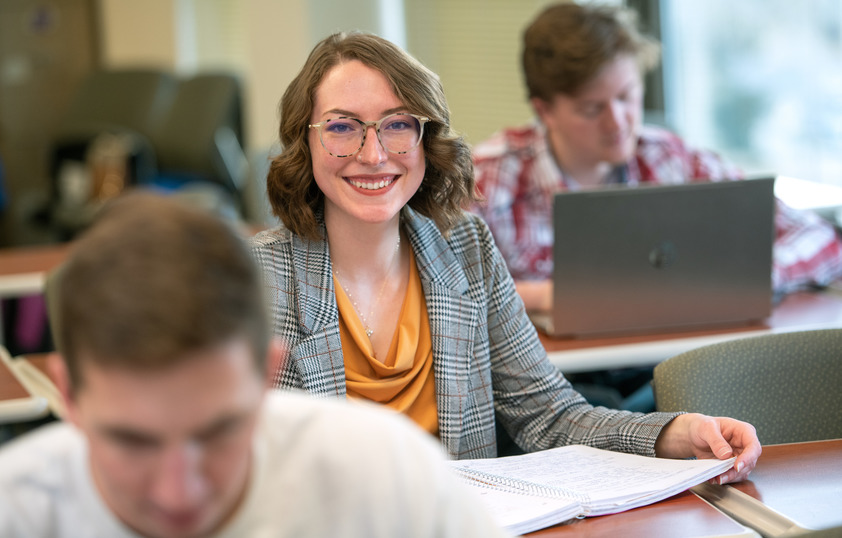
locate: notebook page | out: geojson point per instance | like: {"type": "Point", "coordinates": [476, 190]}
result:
{"type": "Point", "coordinates": [606, 481]}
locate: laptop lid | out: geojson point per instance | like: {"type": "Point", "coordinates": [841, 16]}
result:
{"type": "Point", "coordinates": [655, 258]}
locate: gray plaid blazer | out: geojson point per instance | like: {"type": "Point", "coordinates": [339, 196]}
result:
{"type": "Point", "coordinates": [487, 357]}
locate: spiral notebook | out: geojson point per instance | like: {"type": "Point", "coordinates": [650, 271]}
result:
{"type": "Point", "coordinates": [536, 490]}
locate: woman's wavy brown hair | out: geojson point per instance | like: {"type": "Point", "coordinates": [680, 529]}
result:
{"type": "Point", "coordinates": [448, 183]}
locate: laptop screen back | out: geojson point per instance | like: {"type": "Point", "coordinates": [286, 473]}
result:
{"type": "Point", "coordinates": [654, 258]}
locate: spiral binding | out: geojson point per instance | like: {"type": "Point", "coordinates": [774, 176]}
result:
{"type": "Point", "coordinates": [516, 485]}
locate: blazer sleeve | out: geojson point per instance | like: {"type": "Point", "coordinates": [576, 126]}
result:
{"type": "Point", "coordinates": [534, 402]}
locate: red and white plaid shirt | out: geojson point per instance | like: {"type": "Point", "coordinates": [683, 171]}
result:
{"type": "Point", "coordinates": [517, 176]}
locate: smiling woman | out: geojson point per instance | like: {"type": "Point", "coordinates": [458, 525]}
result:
{"type": "Point", "coordinates": [448, 178]}
{"type": "Point", "coordinates": [429, 322]}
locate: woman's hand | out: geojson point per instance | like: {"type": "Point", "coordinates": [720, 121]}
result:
{"type": "Point", "coordinates": [701, 436]}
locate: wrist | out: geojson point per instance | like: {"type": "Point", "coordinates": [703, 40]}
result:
{"type": "Point", "coordinates": [674, 439]}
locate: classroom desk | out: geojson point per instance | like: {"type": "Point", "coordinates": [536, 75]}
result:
{"type": "Point", "coordinates": [24, 395]}
{"type": "Point", "coordinates": [681, 516]}
{"type": "Point", "coordinates": [16, 402]}
{"type": "Point", "coordinates": [802, 482]}
{"type": "Point", "coordinates": [798, 311]}
{"type": "Point", "coordinates": [23, 269]}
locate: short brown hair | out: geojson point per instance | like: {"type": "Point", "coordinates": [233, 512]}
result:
{"type": "Point", "coordinates": [449, 180]}
{"type": "Point", "coordinates": [568, 43]}
{"type": "Point", "coordinates": [154, 280]}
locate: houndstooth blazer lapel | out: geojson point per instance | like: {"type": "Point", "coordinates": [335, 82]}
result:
{"type": "Point", "coordinates": [318, 353]}
{"type": "Point", "coordinates": [453, 322]}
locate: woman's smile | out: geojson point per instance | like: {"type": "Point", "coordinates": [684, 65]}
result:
{"type": "Point", "coordinates": [369, 183]}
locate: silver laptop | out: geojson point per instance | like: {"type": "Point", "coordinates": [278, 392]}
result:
{"type": "Point", "coordinates": [659, 258]}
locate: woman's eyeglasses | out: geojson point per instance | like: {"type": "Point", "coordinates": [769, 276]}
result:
{"type": "Point", "coordinates": [344, 136]}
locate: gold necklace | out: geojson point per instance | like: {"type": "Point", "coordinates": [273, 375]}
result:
{"type": "Point", "coordinates": [368, 330]}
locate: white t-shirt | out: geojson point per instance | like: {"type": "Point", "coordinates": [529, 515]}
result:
{"type": "Point", "coordinates": [322, 468]}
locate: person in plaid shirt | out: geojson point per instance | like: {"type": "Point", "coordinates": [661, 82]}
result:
{"type": "Point", "coordinates": [583, 66]}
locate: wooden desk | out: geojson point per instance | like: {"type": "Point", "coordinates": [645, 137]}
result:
{"type": "Point", "coordinates": [800, 481]}
{"type": "Point", "coordinates": [10, 387]}
{"type": "Point", "coordinates": [682, 516]}
{"type": "Point", "coordinates": [798, 311]}
{"type": "Point", "coordinates": [18, 402]}
{"type": "Point", "coordinates": [23, 269]}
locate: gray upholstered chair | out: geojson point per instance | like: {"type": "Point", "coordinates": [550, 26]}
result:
{"type": "Point", "coordinates": [788, 385]}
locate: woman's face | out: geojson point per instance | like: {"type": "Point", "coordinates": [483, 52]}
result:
{"type": "Point", "coordinates": [372, 185]}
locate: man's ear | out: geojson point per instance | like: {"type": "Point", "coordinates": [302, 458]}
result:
{"type": "Point", "coordinates": [275, 358]}
{"type": "Point", "coordinates": [57, 369]}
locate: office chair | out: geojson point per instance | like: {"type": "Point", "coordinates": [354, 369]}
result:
{"type": "Point", "coordinates": [201, 136]}
{"type": "Point", "coordinates": [112, 113]}
{"type": "Point", "coordinates": [135, 99]}
{"type": "Point", "coordinates": [788, 385]}
{"type": "Point", "coordinates": [130, 102]}
{"type": "Point", "coordinates": [129, 128]}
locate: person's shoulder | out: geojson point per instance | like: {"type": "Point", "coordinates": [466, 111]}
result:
{"type": "Point", "coordinates": [33, 450]}
{"type": "Point", "coordinates": [657, 138]}
{"type": "Point", "coordinates": [373, 463]}
{"type": "Point", "coordinates": [332, 434]}
{"type": "Point", "coordinates": [355, 426]}
{"type": "Point", "coordinates": [651, 135]}
{"type": "Point", "coordinates": [511, 140]}
{"type": "Point", "coordinates": [270, 237]}
{"type": "Point", "coordinates": [41, 467]}
{"type": "Point", "coordinates": [271, 248]}
{"type": "Point", "coordinates": [665, 157]}
{"type": "Point", "coordinates": [297, 410]}
{"type": "Point", "coordinates": [469, 228]}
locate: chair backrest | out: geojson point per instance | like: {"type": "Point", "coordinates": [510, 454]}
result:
{"type": "Point", "coordinates": [202, 133]}
{"type": "Point", "coordinates": [788, 385]}
{"type": "Point", "coordinates": [113, 107]}
{"type": "Point", "coordinates": [124, 99]}
{"type": "Point", "coordinates": [171, 131]}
